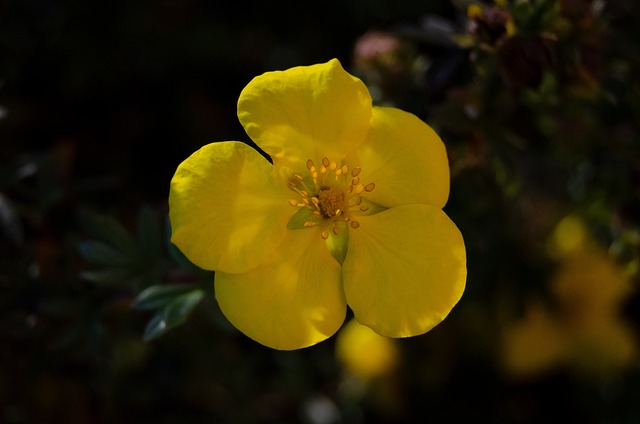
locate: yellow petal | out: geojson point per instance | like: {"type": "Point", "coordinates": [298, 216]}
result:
{"type": "Point", "coordinates": [306, 112]}
{"type": "Point", "coordinates": [227, 210]}
{"type": "Point", "coordinates": [292, 301]}
{"type": "Point", "coordinates": [405, 269]}
{"type": "Point", "coordinates": [405, 159]}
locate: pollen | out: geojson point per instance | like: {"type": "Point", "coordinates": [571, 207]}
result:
{"type": "Point", "coordinates": [333, 192]}
{"type": "Point", "coordinates": [331, 202]}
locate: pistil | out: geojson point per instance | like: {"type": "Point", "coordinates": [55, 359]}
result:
{"type": "Point", "coordinates": [332, 192]}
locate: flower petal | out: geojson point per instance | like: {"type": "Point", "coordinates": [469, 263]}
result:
{"type": "Point", "coordinates": [227, 211]}
{"type": "Point", "coordinates": [405, 269]}
{"type": "Point", "coordinates": [292, 301]}
{"type": "Point", "coordinates": [306, 112]}
{"type": "Point", "coordinates": [406, 160]}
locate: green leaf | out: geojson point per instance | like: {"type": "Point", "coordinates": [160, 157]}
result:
{"type": "Point", "coordinates": [179, 309]}
{"type": "Point", "coordinates": [108, 230]}
{"type": "Point", "coordinates": [99, 253]}
{"type": "Point", "coordinates": [109, 276]}
{"type": "Point", "coordinates": [155, 297]}
{"type": "Point", "coordinates": [173, 314]}
{"type": "Point", "coordinates": [155, 328]}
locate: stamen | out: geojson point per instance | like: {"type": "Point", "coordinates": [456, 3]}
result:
{"type": "Point", "coordinates": [332, 196]}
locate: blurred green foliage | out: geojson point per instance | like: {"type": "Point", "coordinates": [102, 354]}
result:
{"type": "Point", "coordinates": [538, 102]}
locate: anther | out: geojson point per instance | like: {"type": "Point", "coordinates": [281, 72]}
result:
{"type": "Point", "coordinates": [335, 230]}
{"type": "Point", "coordinates": [310, 164]}
{"type": "Point", "coordinates": [293, 202]}
{"type": "Point", "coordinates": [309, 224]}
{"type": "Point", "coordinates": [364, 208]}
{"type": "Point", "coordinates": [359, 188]}
{"type": "Point", "coordinates": [345, 169]}
{"type": "Point", "coordinates": [325, 235]}
{"type": "Point", "coordinates": [355, 181]}
{"type": "Point", "coordinates": [354, 224]}
{"type": "Point", "coordinates": [325, 161]}
{"type": "Point", "coordinates": [299, 177]}
{"type": "Point", "coordinates": [356, 171]}
{"type": "Point", "coordinates": [369, 187]}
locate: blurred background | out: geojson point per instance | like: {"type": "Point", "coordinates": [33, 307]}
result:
{"type": "Point", "coordinates": [102, 320]}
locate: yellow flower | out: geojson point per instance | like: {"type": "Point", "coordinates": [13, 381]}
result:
{"type": "Point", "coordinates": [365, 354]}
{"type": "Point", "coordinates": [348, 212]}
{"type": "Point", "coordinates": [586, 330]}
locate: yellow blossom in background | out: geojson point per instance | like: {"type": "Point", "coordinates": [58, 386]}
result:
{"type": "Point", "coordinates": [585, 329]}
{"type": "Point", "coordinates": [348, 212]}
{"type": "Point", "coordinates": [364, 353]}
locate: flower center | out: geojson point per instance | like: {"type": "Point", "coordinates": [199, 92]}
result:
{"type": "Point", "coordinates": [331, 202]}
{"type": "Point", "coordinates": [331, 192]}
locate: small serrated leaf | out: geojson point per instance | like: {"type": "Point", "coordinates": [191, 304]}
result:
{"type": "Point", "coordinates": [155, 328]}
{"type": "Point", "coordinates": [173, 314]}
{"type": "Point", "coordinates": [179, 309]}
{"type": "Point", "coordinates": [158, 296]}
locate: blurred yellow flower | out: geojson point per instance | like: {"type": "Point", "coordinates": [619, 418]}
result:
{"type": "Point", "coordinates": [364, 353]}
{"type": "Point", "coordinates": [348, 212]}
{"type": "Point", "coordinates": [585, 330]}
